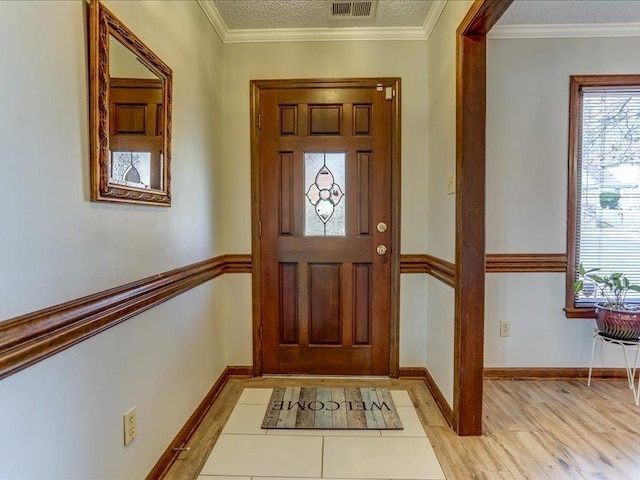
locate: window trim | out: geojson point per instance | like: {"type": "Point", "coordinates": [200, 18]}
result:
{"type": "Point", "coordinates": [576, 85]}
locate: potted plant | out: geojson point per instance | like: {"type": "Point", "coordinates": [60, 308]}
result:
{"type": "Point", "coordinates": [614, 317]}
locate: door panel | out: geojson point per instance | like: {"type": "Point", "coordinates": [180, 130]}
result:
{"type": "Point", "coordinates": [324, 304]}
{"type": "Point", "coordinates": [136, 127]}
{"type": "Point", "coordinates": [288, 303]}
{"type": "Point", "coordinates": [325, 181]}
{"type": "Point", "coordinates": [361, 303]}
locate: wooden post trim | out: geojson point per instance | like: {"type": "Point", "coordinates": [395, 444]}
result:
{"type": "Point", "coordinates": [471, 74]}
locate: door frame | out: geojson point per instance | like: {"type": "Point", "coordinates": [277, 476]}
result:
{"type": "Point", "coordinates": [256, 86]}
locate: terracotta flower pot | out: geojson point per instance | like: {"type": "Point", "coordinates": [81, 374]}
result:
{"type": "Point", "coordinates": [619, 324]}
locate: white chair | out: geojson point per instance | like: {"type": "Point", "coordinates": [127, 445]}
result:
{"type": "Point", "coordinates": [629, 347]}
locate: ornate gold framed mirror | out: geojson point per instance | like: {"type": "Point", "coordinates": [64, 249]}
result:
{"type": "Point", "coordinates": [130, 115]}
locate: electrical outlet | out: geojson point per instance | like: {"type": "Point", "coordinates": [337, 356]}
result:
{"type": "Point", "coordinates": [505, 329]}
{"type": "Point", "coordinates": [451, 183]}
{"type": "Point", "coordinates": [130, 425]}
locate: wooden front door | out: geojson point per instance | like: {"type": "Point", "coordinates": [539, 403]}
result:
{"type": "Point", "coordinates": [135, 132]}
{"type": "Point", "coordinates": [326, 243]}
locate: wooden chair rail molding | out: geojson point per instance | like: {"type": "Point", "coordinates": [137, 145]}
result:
{"type": "Point", "coordinates": [441, 269]}
{"type": "Point", "coordinates": [32, 337]}
{"type": "Point", "coordinates": [494, 263]}
{"type": "Point", "coordinates": [525, 262]}
{"type": "Point", "coordinates": [29, 338]}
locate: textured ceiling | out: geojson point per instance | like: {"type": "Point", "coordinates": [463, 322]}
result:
{"type": "Point", "coordinates": [308, 20]}
{"type": "Point", "coordinates": [270, 14]}
{"type": "Point", "coordinates": [550, 12]}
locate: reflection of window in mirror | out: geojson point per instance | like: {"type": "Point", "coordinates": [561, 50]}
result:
{"type": "Point", "coordinates": [136, 121]}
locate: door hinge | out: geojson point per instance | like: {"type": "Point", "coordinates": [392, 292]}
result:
{"type": "Point", "coordinates": [260, 229]}
{"type": "Point", "coordinates": [259, 122]}
{"type": "Point", "coordinates": [261, 331]}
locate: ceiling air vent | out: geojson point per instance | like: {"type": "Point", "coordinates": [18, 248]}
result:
{"type": "Point", "coordinates": [342, 9]}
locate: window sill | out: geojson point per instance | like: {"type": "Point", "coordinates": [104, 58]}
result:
{"type": "Point", "coordinates": [580, 312]}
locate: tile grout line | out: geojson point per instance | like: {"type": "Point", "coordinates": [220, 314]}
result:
{"type": "Point", "coordinates": [380, 434]}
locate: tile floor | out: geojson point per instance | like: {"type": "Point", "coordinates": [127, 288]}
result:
{"type": "Point", "coordinates": [245, 451]}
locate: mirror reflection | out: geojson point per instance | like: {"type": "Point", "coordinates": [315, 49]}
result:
{"type": "Point", "coordinates": [136, 121]}
{"type": "Point", "coordinates": [130, 91]}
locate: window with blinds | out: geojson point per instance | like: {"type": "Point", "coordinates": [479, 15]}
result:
{"type": "Point", "coordinates": [607, 182]}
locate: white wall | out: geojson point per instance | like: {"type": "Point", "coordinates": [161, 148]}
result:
{"type": "Point", "coordinates": [527, 145]}
{"type": "Point", "coordinates": [238, 314]}
{"type": "Point", "coordinates": [440, 335]}
{"type": "Point", "coordinates": [253, 61]}
{"type": "Point", "coordinates": [440, 207]}
{"type": "Point", "coordinates": [62, 417]}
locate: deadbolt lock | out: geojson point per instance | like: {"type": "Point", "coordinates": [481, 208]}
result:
{"type": "Point", "coordinates": [381, 249]}
{"type": "Point", "coordinates": [382, 227]}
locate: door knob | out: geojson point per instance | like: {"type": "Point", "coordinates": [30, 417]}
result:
{"type": "Point", "coordinates": [381, 249]}
{"type": "Point", "coordinates": [382, 227]}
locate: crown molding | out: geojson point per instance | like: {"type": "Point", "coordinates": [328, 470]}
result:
{"type": "Point", "coordinates": [566, 31]}
{"type": "Point", "coordinates": [432, 17]}
{"type": "Point", "coordinates": [324, 34]}
{"type": "Point", "coordinates": [214, 18]}
{"type": "Point", "coordinates": [320, 34]}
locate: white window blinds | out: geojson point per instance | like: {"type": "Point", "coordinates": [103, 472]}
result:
{"type": "Point", "coordinates": [608, 174]}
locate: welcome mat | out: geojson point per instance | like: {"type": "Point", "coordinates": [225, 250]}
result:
{"type": "Point", "coordinates": [355, 408]}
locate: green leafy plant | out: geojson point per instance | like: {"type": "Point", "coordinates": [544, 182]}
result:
{"type": "Point", "coordinates": [610, 200]}
{"type": "Point", "coordinates": [613, 287]}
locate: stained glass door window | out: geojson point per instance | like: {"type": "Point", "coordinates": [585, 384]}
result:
{"type": "Point", "coordinates": [324, 175]}
{"type": "Point", "coordinates": [131, 168]}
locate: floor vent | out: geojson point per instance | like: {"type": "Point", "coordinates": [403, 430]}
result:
{"type": "Point", "coordinates": [342, 9]}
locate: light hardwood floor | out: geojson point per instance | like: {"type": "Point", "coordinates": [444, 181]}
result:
{"type": "Point", "coordinates": [547, 429]}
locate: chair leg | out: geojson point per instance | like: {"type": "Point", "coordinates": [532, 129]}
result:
{"type": "Point", "coordinates": [635, 366]}
{"type": "Point", "coordinates": [636, 394]}
{"type": "Point", "coordinates": [636, 388]}
{"type": "Point", "coordinates": [628, 367]}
